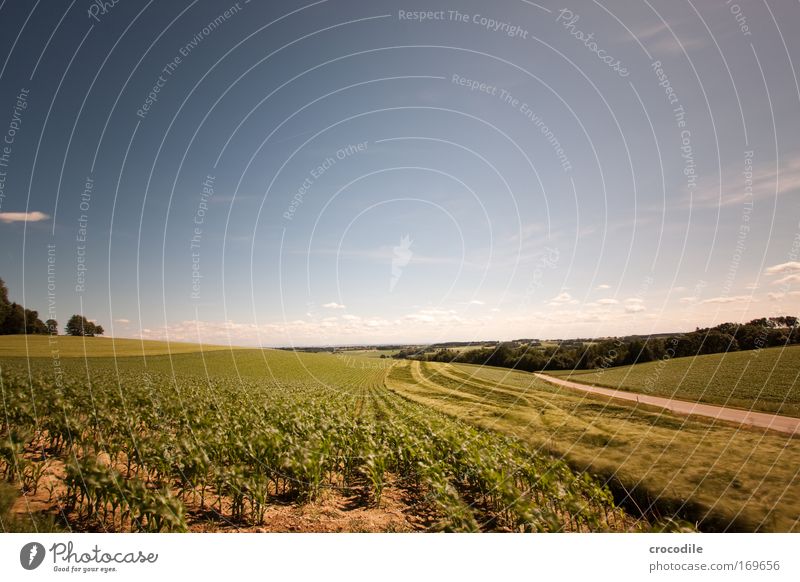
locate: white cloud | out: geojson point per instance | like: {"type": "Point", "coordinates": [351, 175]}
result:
{"type": "Point", "coordinates": [790, 270]}
{"type": "Point", "coordinates": [783, 268]}
{"type": "Point", "coordinates": [607, 301]}
{"type": "Point", "coordinates": [602, 287]}
{"type": "Point", "coordinates": [563, 298]}
{"type": "Point", "coordinates": [788, 279]}
{"type": "Point", "coordinates": [333, 305]}
{"type": "Point", "coordinates": [476, 302]}
{"type": "Point", "coordinates": [779, 296]}
{"type": "Point", "coordinates": [434, 316]}
{"type": "Point", "coordinates": [688, 299]}
{"type": "Point", "coordinates": [122, 320]}
{"type": "Point", "coordinates": [732, 299]}
{"type": "Point", "coordinates": [634, 308]}
{"type": "Point", "coordinates": [35, 216]}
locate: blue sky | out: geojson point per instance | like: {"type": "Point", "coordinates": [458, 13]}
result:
{"type": "Point", "coordinates": [342, 172]}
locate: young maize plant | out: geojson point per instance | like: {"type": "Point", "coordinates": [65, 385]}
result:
{"type": "Point", "coordinates": [140, 448]}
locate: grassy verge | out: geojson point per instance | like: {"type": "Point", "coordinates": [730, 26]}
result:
{"type": "Point", "coordinates": [720, 476]}
{"type": "Point", "coordinates": [767, 380]}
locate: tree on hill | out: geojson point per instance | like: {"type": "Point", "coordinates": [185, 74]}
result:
{"type": "Point", "coordinates": [52, 326]}
{"type": "Point", "coordinates": [78, 325]}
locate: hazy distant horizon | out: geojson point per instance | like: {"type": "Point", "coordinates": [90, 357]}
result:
{"type": "Point", "coordinates": [243, 342]}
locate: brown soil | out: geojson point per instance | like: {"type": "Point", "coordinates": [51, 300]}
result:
{"type": "Point", "coordinates": [337, 510]}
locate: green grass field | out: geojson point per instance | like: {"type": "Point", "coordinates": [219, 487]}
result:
{"type": "Point", "coordinates": [40, 346]}
{"type": "Point", "coordinates": [713, 472]}
{"type": "Point", "coordinates": [766, 380]}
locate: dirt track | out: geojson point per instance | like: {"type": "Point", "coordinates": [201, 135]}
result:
{"type": "Point", "coordinates": [785, 424]}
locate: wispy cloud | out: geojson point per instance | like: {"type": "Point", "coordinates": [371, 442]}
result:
{"type": "Point", "coordinates": [727, 299]}
{"type": "Point", "coordinates": [778, 296]}
{"type": "Point", "coordinates": [789, 270]}
{"type": "Point", "coordinates": [35, 216]}
{"type": "Point", "coordinates": [437, 316]}
{"type": "Point", "coordinates": [658, 39]}
{"type": "Point", "coordinates": [650, 32]}
{"type": "Point", "coordinates": [668, 46]}
{"type": "Point", "coordinates": [608, 301]}
{"type": "Point", "coordinates": [768, 181]}
{"type": "Point", "coordinates": [385, 254]}
{"type": "Point", "coordinates": [795, 278]}
{"type": "Point", "coordinates": [563, 298]}
{"type": "Point", "coordinates": [783, 268]}
{"type": "Point", "coordinates": [634, 305]}
{"type": "Point", "coordinates": [334, 305]}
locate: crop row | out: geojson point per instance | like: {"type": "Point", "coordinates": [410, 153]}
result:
{"type": "Point", "coordinates": [138, 448]}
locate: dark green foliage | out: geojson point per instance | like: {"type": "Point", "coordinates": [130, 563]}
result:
{"type": "Point", "coordinates": [78, 325]}
{"type": "Point", "coordinates": [15, 319]}
{"type": "Point", "coordinates": [4, 304]}
{"type": "Point", "coordinates": [607, 353]}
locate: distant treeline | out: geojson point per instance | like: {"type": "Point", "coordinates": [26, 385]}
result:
{"type": "Point", "coordinates": [337, 349]}
{"type": "Point", "coordinates": [606, 353]}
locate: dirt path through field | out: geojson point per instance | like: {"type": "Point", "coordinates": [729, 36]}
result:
{"type": "Point", "coordinates": [785, 424]}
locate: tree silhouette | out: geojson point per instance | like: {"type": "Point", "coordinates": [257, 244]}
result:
{"type": "Point", "coordinates": [78, 325]}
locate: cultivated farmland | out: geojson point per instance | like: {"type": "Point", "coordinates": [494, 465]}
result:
{"type": "Point", "coordinates": [267, 441]}
{"type": "Point", "coordinates": [45, 346]}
